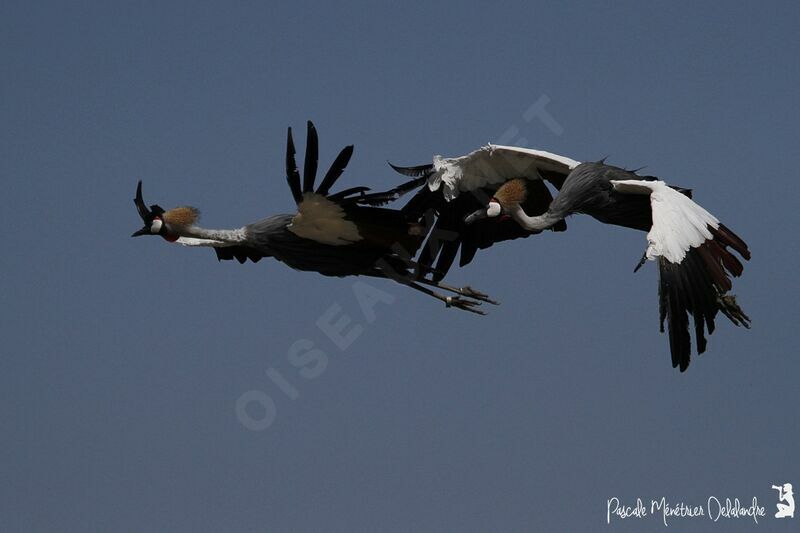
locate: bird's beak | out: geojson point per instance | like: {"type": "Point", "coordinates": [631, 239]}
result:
{"type": "Point", "coordinates": [492, 210]}
{"type": "Point", "coordinates": [144, 231]}
{"type": "Point", "coordinates": [475, 216]}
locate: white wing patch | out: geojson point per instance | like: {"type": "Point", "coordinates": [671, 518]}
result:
{"type": "Point", "coordinates": [679, 224]}
{"type": "Point", "coordinates": [322, 220]}
{"type": "Point", "coordinates": [493, 164]}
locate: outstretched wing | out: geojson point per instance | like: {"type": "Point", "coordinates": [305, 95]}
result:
{"type": "Point", "coordinates": [323, 220]}
{"type": "Point", "coordinates": [346, 217]}
{"type": "Point", "coordinates": [319, 218]}
{"type": "Point", "coordinates": [494, 164]}
{"type": "Point", "coordinates": [693, 250]}
{"type": "Point", "coordinates": [310, 166]}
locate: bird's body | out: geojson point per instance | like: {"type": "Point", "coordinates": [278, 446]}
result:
{"type": "Point", "coordinates": [341, 234]}
{"type": "Point", "coordinates": [589, 190]}
{"type": "Point", "coordinates": [274, 237]}
{"type": "Point", "coordinates": [457, 207]}
{"type": "Point", "coordinates": [693, 250]}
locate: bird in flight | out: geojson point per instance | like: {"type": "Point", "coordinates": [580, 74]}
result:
{"type": "Point", "coordinates": [335, 234]}
{"type": "Point", "coordinates": [499, 193]}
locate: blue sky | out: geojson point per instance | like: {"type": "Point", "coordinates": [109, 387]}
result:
{"type": "Point", "coordinates": [123, 359]}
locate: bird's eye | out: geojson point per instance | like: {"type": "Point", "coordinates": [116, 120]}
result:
{"type": "Point", "coordinates": [155, 227]}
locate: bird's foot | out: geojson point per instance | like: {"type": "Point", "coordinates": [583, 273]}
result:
{"type": "Point", "coordinates": [476, 294]}
{"type": "Point", "coordinates": [729, 307]}
{"type": "Point", "coordinates": [461, 303]}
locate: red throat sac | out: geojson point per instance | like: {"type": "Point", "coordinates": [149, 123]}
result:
{"type": "Point", "coordinates": [170, 238]}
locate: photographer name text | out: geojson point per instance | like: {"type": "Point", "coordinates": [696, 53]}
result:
{"type": "Point", "coordinates": [714, 509]}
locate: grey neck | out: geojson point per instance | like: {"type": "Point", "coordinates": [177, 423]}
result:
{"type": "Point", "coordinates": [226, 237]}
{"type": "Point", "coordinates": [534, 224]}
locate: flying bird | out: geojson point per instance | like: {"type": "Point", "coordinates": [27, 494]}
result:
{"type": "Point", "coordinates": [693, 249]}
{"type": "Point", "coordinates": [334, 234]}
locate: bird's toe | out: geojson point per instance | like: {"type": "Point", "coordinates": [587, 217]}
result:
{"type": "Point", "coordinates": [478, 295]}
{"type": "Point", "coordinates": [466, 305]}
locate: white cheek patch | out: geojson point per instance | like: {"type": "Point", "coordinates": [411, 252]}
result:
{"type": "Point", "coordinates": [493, 209]}
{"type": "Point", "coordinates": [155, 227]}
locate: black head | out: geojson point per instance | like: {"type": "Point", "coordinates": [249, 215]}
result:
{"type": "Point", "coordinates": [153, 224]}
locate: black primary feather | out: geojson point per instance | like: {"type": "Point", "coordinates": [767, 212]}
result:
{"type": "Point", "coordinates": [240, 253]}
{"type": "Point", "coordinates": [338, 166]}
{"type": "Point", "coordinates": [292, 175]}
{"type": "Point", "coordinates": [382, 198]}
{"type": "Point", "coordinates": [688, 288]}
{"type": "Point", "coordinates": [347, 194]}
{"type": "Point", "coordinates": [312, 158]}
{"type": "Point", "coordinates": [414, 172]}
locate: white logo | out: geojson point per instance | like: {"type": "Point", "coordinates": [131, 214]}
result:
{"type": "Point", "coordinates": [785, 494]}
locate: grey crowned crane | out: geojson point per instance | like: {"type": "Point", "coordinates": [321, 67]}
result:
{"type": "Point", "coordinates": [693, 249]}
{"type": "Point", "coordinates": [341, 234]}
